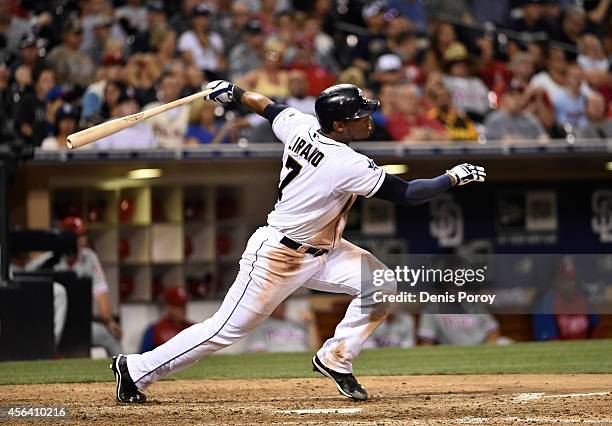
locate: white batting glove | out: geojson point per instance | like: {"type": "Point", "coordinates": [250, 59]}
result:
{"type": "Point", "coordinates": [466, 173]}
{"type": "Point", "coordinates": [222, 92]}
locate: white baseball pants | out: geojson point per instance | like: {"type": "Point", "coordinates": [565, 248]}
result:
{"type": "Point", "coordinates": [269, 273]}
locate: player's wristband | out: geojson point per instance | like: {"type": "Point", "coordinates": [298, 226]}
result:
{"type": "Point", "coordinates": [238, 92]}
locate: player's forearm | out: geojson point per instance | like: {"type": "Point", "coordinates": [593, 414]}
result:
{"type": "Point", "coordinates": [492, 337]}
{"type": "Point", "coordinates": [415, 192]}
{"type": "Point", "coordinates": [104, 306]}
{"type": "Point", "coordinates": [254, 101]}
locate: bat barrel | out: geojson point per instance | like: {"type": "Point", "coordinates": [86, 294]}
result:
{"type": "Point", "coordinates": [92, 134]}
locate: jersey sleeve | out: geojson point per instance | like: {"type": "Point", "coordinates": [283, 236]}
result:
{"type": "Point", "coordinates": [98, 279]}
{"type": "Point", "coordinates": [357, 174]}
{"type": "Point", "coordinates": [289, 122]}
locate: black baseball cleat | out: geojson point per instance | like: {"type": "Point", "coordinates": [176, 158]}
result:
{"type": "Point", "coordinates": [347, 384]}
{"type": "Point", "coordinates": [127, 391]}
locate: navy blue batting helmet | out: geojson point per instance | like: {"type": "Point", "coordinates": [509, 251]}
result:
{"type": "Point", "coordinates": [342, 102]}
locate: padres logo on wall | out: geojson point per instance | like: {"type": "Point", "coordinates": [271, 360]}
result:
{"type": "Point", "coordinates": [446, 223]}
{"type": "Point", "coordinates": [601, 222]}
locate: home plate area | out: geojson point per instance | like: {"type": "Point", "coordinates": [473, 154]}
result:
{"type": "Point", "coordinates": [416, 400]}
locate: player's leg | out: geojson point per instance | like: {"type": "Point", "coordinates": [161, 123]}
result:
{"type": "Point", "coordinates": [269, 272]}
{"type": "Point", "coordinates": [342, 273]}
{"type": "Point", "coordinates": [60, 309]}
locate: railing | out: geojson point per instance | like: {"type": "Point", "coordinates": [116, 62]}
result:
{"type": "Point", "coordinates": [372, 149]}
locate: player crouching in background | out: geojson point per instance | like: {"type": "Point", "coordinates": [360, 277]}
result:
{"type": "Point", "coordinates": [172, 323]}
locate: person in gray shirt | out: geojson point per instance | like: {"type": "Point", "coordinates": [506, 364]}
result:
{"type": "Point", "coordinates": [247, 55]}
{"type": "Point", "coordinates": [471, 328]}
{"type": "Point", "coordinates": [597, 126]}
{"type": "Point", "coordinates": [510, 122]}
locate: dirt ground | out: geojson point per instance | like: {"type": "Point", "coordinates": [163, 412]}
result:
{"type": "Point", "coordinates": [416, 400]}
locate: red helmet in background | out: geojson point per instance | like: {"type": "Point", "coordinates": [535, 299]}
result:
{"type": "Point", "coordinates": [74, 224]}
{"type": "Point", "coordinates": [175, 296]}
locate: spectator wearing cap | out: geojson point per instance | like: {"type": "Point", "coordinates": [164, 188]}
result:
{"type": "Point", "coordinates": [139, 136]}
{"type": "Point", "coordinates": [12, 27]}
{"type": "Point", "coordinates": [532, 18]}
{"type": "Point", "coordinates": [470, 95]}
{"type": "Point", "coordinates": [173, 320]}
{"type": "Point", "coordinates": [28, 54]}
{"type": "Point", "coordinates": [105, 331]}
{"type": "Point", "coordinates": [510, 123]}
{"type": "Point", "coordinates": [388, 70]}
{"type": "Point", "coordinates": [458, 125]}
{"type": "Point", "coordinates": [90, 11]}
{"type": "Point", "coordinates": [102, 26]}
{"type": "Point", "coordinates": [71, 65]}
{"type": "Point", "coordinates": [269, 79]}
{"type": "Point", "coordinates": [305, 60]}
{"type": "Point", "coordinates": [156, 19]}
{"type": "Point", "coordinates": [23, 66]}
{"type": "Point", "coordinates": [92, 101]}
{"type": "Point", "coordinates": [55, 100]}
{"type": "Point", "coordinates": [232, 28]}
{"type": "Point", "coordinates": [169, 128]}
{"type": "Point", "coordinates": [66, 119]}
{"type": "Point", "coordinates": [247, 55]}
{"type": "Point", "coordinates": [372, 44]}
{"type": "Point", "coordinates": [200, 46]}
{"type": "Point", "coordinates": [597, 125]}
{"type": "Point", "coordinates": [31, 112]}
{"type": "Point", "coordinates": [408, 123]}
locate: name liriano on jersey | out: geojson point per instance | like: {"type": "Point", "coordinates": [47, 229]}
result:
{"type": "Point", "coordinates": [319, 181]}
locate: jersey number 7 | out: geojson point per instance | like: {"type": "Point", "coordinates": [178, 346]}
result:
{"type": "Point", "coordinates": [294, 168]}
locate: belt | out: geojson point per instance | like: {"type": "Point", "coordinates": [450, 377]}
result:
{"type": "Point", "coordinates": [286, 241]}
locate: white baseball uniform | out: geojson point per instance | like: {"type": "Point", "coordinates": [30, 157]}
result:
{"type": "Point", "coordinates": [319, 182]}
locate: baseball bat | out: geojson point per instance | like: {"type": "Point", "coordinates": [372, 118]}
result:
{"type": "Point", "coordinates": [92, 134]}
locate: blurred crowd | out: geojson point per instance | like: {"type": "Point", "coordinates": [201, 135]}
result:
{"type": "Point", "coordinates": [452, 70]}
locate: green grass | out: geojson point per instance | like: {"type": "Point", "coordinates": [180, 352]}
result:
{"type": "Point", "coordinates": [594, 356]}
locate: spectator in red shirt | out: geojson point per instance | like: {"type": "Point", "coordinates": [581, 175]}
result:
{"type": "Point", "coordinates": [318, 77]}
{"type": "Point", "coordinates": [172, 323]}
{"type": "Point", "coordinates": [408, 124]}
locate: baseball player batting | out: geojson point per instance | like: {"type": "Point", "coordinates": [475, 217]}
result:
{"type": "Point", "coordinates": [302, 245]}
